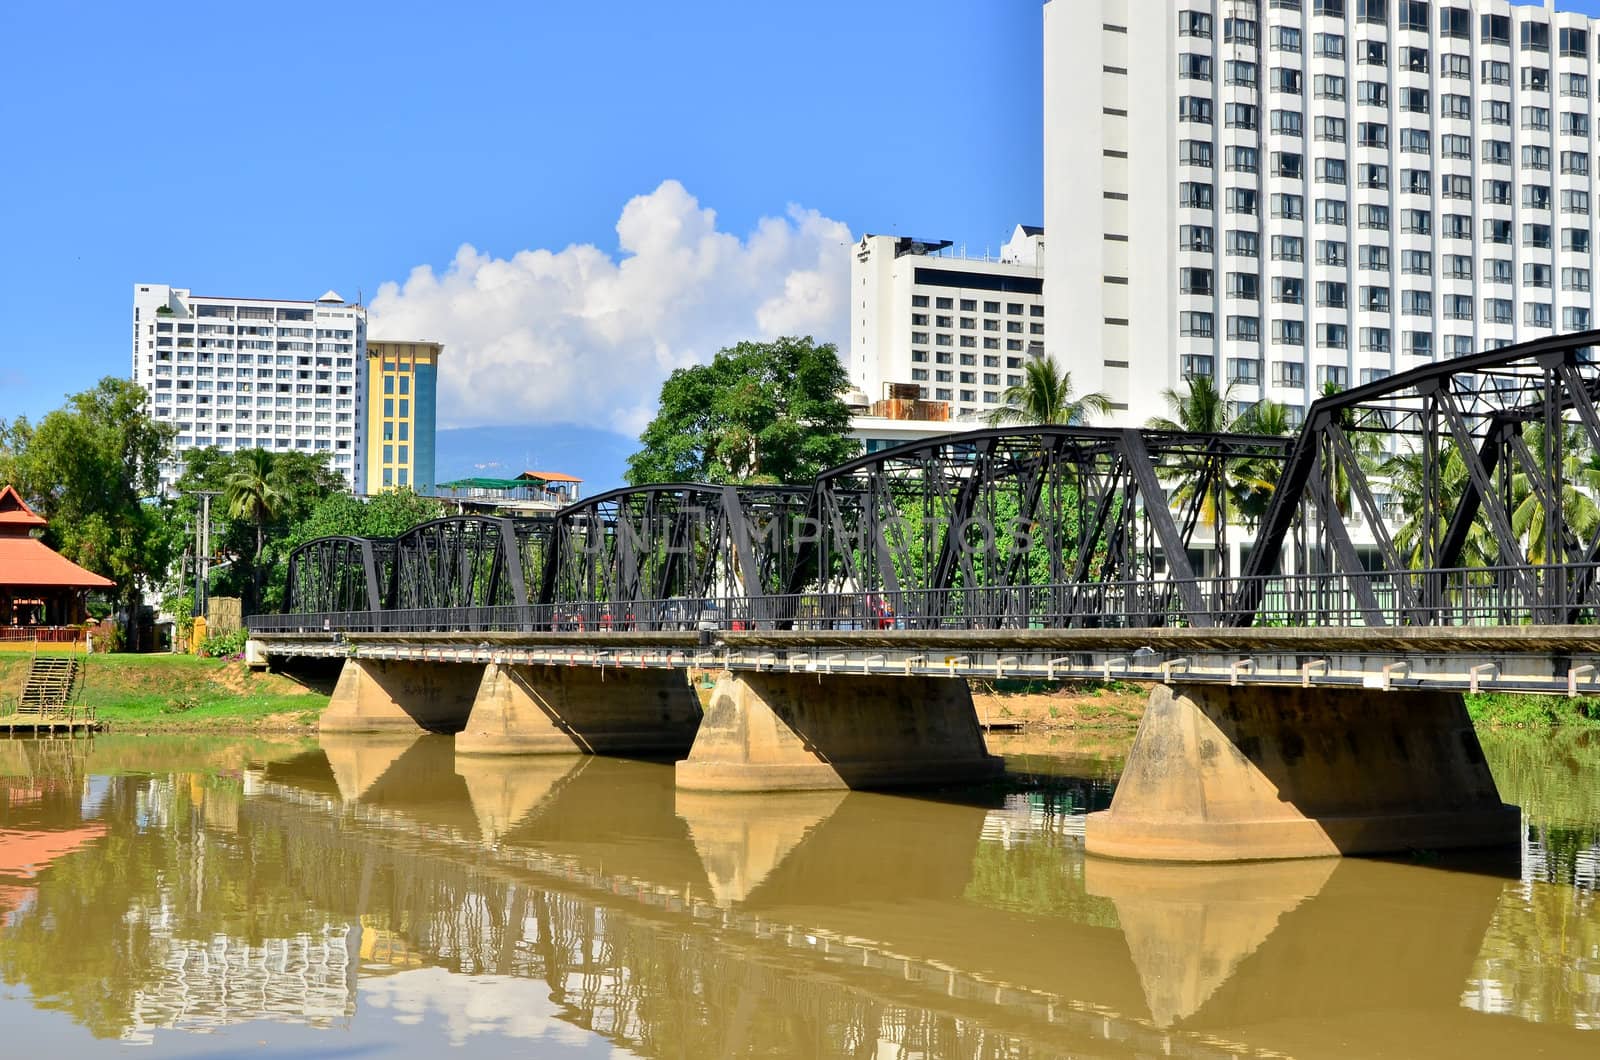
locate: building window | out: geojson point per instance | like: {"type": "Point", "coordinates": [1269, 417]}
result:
{"type": "Point", "coordinates": [1194, 281]}
{"type": "Point", "coordinates": [1194, 24]}
{"type": "Point", "coordinates": [1197, 238]}
{"type": "Point", "coordinates": [1240, 31]}
{"type": "Point", "coordinates": [1194, 153]}
{"type": "Point", "coordinates": [1194, 109]}
{"type": "Point", "coordinates": [1535, 36]}
{"type": "Point", "coordinates": [1195, 324]}
{"type": "Point", "coordinates": [1288, 333]}
{"type": "Point", "coordinates": [1417, 343]}
{"type": "Point", "coordinates": [1288, 373]}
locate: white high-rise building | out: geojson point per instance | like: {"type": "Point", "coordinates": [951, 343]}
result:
{"type": "Point", "coordinates": [959, 327]}
{"type": "Point", "coordinates": [1287, 193]}
{"type": "Point", "coordinates": [248, 373]}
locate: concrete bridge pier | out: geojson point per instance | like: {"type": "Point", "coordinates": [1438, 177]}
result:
{"type": "Point", "coordinates": [1225, 773]}
{"type": "Point", "coordinates": [401, 697]}
{"type": "Point", "coordinates": [580, 710]}
{"type": "Point", "coordinates": [809, 732]}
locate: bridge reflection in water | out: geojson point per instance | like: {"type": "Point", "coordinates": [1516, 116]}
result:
{"type": "Point", "coordinates": [582, 895]}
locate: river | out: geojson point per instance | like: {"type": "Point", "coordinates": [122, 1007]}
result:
{"type": "Point", "coordinates": [383, 898]}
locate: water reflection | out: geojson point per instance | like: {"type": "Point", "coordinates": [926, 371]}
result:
{"type": "Point", "coordinates": [366, 884]}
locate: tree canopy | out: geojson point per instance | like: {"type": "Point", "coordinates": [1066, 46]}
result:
{"type": "Point", "coordinates": [262, 496]}
{"type": "Point", "coordinates": [765, 412]}
{"type": "Point", "coordinates": [388, 514]}
{"type": "Point", "coordinates": [92, 468]}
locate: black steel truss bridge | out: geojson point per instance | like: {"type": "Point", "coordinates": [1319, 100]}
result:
{"type": "Point", "coordinates": [1440, 526]}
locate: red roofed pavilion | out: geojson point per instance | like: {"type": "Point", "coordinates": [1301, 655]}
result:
{"type": "Point", "coordinates": [38, 586]}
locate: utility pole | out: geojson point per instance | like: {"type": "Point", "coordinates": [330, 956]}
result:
{"type": "Point", "coordinates": [202, 559]}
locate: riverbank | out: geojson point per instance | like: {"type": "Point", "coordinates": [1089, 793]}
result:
{"type": "Point", "coordinates": [1106, 708]}
{"type": "Point", "coordinates": [182, 694]}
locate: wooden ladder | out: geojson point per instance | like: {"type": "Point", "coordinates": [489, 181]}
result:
{"type": "Point", "coordinates": [50, 687]}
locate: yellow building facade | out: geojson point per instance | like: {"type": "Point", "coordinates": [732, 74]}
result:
{"type": "Point", "coordinates": [402, 401]}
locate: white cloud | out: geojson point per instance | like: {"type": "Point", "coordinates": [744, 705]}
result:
{"type": "Point", "coordinates": [580, 336]}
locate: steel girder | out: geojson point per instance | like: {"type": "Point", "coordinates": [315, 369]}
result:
{"type": "Point", "coordinates": [1486, 463]}
{"type": "Point", "coordinates": [991, 512]}
{"type": "Point", "coordinates": [459, 561]}
{"type": "Point", "coordinates": [647, 549]}
{"type": "Point", "coordinates": [339, 574]}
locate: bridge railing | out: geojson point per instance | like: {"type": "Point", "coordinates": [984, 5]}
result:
{"type": "Point", "coordinates": [1553, 594]}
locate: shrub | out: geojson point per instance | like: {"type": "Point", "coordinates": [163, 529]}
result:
{"type": "Point", "coordinates": [225, 645]}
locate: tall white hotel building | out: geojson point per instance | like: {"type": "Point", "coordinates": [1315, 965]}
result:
{"type": "Point", "coordinates": [253, 373]}
{"type": "Point", "coordinates": [1280, 193]}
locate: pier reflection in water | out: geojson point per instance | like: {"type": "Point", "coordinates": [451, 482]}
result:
{"type": "Point", "coordinates": [386, 893]}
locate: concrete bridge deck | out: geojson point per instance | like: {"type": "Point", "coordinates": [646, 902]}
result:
{"type": "Point", "coordinates": [1563, 660]}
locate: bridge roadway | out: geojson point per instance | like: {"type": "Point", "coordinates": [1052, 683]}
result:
{"type": "Point", "coordinates": [840, 892]}
{"type": "Point", "coordinates": [1563, 660]}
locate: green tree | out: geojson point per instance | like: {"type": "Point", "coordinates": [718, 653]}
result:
{"type": "Point", "coordinates": [253, 492]}
{"type": "Point", "coordinates": [1579, 483]}
{"type": "Point", "coordinates": [765, 412]}
{"type": "Point", "coordinates": [1421, 522]}
{"type": "Point", "coordinates": [1045, 396]}
{"type": "Point", "coordinates": [387, 514]}
{"type": "Point", "coordinates": [1244, 485]}
{"type": "Point", "coordinates": [249, 554]}
{"type": "Point", "coordinates": [92, 468]}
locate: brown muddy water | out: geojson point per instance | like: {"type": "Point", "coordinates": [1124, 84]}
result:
{"type": "Point", "coordinates": [383, 898]}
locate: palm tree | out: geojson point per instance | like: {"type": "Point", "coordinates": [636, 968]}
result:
{"type": "Point", "coordinates": [1406, 473]}
{"type": "Point", "coordinates": [1045, 396]}
{"type": "Point", "coordinates": [1579, 481]}
{"type": "Point", "coordinates": [1246, 485]}
{"type": "Point", "coordinates": [254, 491]}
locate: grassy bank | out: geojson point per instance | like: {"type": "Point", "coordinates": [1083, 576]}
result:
{"type": "Point", "coordinates": [1501, 711]}
{"type": "Point", "coordinates": [180, 693]}
{"type": "Point", "coordinates": [1116, 707]}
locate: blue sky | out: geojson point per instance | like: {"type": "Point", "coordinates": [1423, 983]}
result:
{"type": "Point", "coordinates": [281, 150]}
{"type": "Point", "coordinates": [716, 156]}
